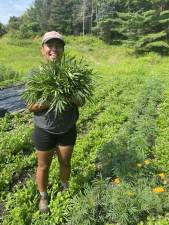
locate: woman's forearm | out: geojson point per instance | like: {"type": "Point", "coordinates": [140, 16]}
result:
{"type": "Point", "coordinates": [37, 107]}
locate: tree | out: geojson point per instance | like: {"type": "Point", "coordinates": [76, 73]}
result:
{"type": "Point", "coordinates": [2, 29]}
{"type": "Point", "coordinates": [107, 22]}
{"type": "Point", "coordinates": [61, 16]}
{"type": "Point", "coordinates": [14, 23]}
{"type": "Point", "coordinates": [38, 14]}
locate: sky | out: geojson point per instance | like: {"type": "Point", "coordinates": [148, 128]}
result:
{"type": "Point", "coordinates": [13, 8]}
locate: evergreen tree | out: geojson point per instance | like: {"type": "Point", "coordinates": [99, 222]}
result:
{"type": "Point", "coordinates": [61, 16]}
{"type": "Point", "coordinates": [108, 22]}
{"type": "Point", "coordinates": [143, 23]}
{"type": "Point", "coordinates": [155, 36]}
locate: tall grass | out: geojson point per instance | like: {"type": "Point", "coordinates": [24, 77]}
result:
{"type": "Point", "coordinates": [20, 58]}
{"type": "Point", "coordinates": [107, 60]}
{"type": "Point", "coordinates": [7, 73]}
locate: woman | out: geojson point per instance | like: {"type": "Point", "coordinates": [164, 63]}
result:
{"type": "Point", "coordinates": [53, 133]}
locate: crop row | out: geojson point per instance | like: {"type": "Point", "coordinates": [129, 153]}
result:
{"type": "Point", "coordinates": [11, 172]}
{"type": "Point", "coordinates": [137, 137]}
{"type": "Point", "coordinates": [12, 121]}
{"type": "Point", "coordinates": [15, 143]}
{"type": "Point", "coordinates": [128, 198]}
{"type": "Point", "coordinates": [161, 149]}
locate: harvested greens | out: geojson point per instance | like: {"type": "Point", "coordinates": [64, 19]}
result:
{"type": "Point", "coordinates": [58, 83]}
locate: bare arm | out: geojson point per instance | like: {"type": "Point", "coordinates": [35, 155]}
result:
{"type": "Point", "coordinates": [37, 107]}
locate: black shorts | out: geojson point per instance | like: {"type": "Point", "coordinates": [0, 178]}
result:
{"type": "Point", "coordinates": [45, 141]}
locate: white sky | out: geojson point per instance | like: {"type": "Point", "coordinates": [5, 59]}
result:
{"type": "Point", "coordinates": [13, 8]}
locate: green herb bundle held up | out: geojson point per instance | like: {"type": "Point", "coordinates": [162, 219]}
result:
{"type": "Point", "coordinates": [59, 83]}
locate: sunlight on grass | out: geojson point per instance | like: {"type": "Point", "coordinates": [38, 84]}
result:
{"type": "Point", "coordinates": [107, 60]}
{"type": "Point", "coordinates": [19, 58]}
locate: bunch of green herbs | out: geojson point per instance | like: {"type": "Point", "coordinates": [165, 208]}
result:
{"type": "Point", "coordinates": [59, 83]}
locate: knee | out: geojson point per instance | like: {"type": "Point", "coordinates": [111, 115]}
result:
{"type": "Point", "coordinates": [65, 162]}
{"type": "Point", "coordinates": [43, 166]}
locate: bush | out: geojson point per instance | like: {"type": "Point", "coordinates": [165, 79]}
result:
{"type": "Point", "coordinates": [116, 204]}
{"type": "Point", "coordinates": [25, 31]}
{"type": "Point", "coordinates": [2, 29]}
{"type": "Point", "coordinates": [7, 73]}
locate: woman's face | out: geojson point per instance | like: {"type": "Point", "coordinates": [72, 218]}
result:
{"type": "Point", "coordinates": [53, 49]}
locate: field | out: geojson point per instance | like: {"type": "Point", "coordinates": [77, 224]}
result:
{"type": "Point", "coordinates": [120, 164]}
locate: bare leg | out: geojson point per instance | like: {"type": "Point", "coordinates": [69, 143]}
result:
{"type": "Point", "coordinates": [44, 160]}
{"type": "Point", "coordinates": [64, 157]}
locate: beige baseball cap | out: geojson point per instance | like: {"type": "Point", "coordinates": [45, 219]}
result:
{"type": "Point", "coordinates": [52, 35]}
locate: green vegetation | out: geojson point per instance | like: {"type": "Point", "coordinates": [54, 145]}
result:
{"type": "Point", "coordinates": [120, 162]}
{"type": "Point", "coordinates": [59, 83]}
{"type": "Point", "coordinates": [7, 75]}
{"type": "Point", "coordinates": [2, 29]}
{"type": "Point", "coordinates": [139, 23]}
{"type": "Point", "coordinates": [20, 58]}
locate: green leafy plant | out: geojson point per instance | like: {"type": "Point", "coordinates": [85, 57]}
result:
{"type": "Point", "coordinates": [7, 73]}
{"type": "Point", "coordinates": [59, 83]}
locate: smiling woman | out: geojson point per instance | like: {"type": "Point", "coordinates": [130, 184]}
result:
{"type": "Point", "coordinates": [52, 132]}
{"type": "Point", "coordinates": [52, 48]}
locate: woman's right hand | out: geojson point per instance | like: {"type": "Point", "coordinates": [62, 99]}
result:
{"type": "Point", "coordinates": [37, 107]}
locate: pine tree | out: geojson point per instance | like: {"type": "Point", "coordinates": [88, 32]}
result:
{"type": "Point", "coordinates": [155, 35]}
{"type": "Point", "coordinates": [61, 16]}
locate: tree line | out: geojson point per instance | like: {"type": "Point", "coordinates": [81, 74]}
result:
{"type": "Point", "coordinates": [142, 23]}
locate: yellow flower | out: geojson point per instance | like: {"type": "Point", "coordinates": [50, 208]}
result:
{"type": "Point", "coordinates": [162, 175]}
{"type": "Point", "coordinates": [139, 165]}
{"type": "Point", "coordinates": [130, 193]}
{"type": "Point", "coordinates": [158, 190]}
{"type": "Point", "coordinates": [146, 162]}
{"type": "Point", "coordinates": [116, 180]}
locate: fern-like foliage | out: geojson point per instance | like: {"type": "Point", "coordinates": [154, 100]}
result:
{"type": "Point", "coordinates": [153, 42]}
{"type": "Point", "coordinates": [158, 44]}
{"type": "Point", "coordinates": [164, 14]}
{"type": "Point", "coordinates": [58, 83]}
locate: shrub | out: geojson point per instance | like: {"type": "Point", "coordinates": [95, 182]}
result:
{"type": "Point", "coordinates": [7, 73]}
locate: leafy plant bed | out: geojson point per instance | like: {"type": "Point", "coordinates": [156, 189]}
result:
{"type": "Point", "coordinates": [134, 189]}
{"type": "Point", "coordinates": [106, 125]}
{"type": "Point", "coordinates": [125, 120]}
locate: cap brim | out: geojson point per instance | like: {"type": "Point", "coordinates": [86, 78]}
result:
{"type": "Point", "coordinates": [50, 38]}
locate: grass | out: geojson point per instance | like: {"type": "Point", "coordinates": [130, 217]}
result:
{"type": "Point", "coordinates": [107, 60]}
{"type": "Point", "coordinates": [20, 58]}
